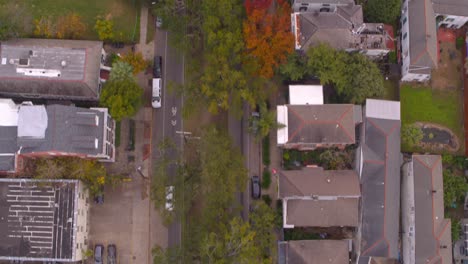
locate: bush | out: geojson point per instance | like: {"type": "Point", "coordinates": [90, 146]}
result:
{"type": "Point", "coordinates": [117, 134]}
{"type": "Point", "coordinates": [392, 57]}
{"type": "Point", "coordinates": [266, 151]}
{"type": "Point", "coordinates": [267, 199]}
{"type": "Point", "coordinates": [460, 42]}
{"type": "Point", "coordinates": [266, 179]}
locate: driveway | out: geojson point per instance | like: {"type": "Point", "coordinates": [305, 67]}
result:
{"type": "Point", "coordinates": [123, 220]}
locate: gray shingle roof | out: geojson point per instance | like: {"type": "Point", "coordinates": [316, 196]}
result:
{"type": "Point", "coordinates": [450, 7]}
{"type": "Point", "coordinates": [315, 124]}
{"type": "Point", "coordinates": [325, 1]}
{"type": "Point", "coordinates": [70, 129]}
{"type": "Point", "coordinates": [380, 181]}
{"type": "Point", "coordinates": [422, 36]}
{"type": "Point", "coordinates": [7, 146]}
{"type": "Point", "coordinates": [78, 80]}
{"type": "Point", "coordinates": [314, 252]}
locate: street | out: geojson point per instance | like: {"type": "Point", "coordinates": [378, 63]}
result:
{"type": "Point", "coordinates": [167, 120]}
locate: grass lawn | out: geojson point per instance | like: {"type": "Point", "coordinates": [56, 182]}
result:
{"type": "Point", "coordinates": [124, 13]}
{"type": "Point", "coordinates": [421, 103]}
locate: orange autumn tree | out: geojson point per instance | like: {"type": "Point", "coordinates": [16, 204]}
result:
{"type": "Point", "coordinates": [268, 37]}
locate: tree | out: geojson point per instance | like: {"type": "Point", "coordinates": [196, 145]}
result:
{"type": "Point", "coordinates": [123, 98]}
{"type": "Point", "coordinates": [411, 135]}
{"type": "Point", "coordinates": [382, 11]}
{"type": "Point", "coordinates": [104, 28]}
{"type": "Point", "coordinates": [262, 220]}
{"type": "Point", "coordinates": [15, 20]}
{"type": "Point", "coordinates": [268, 38]}
{"type": "Point", "coordinates": [121, 71]}
{"type": "Point", "coordinates": [70, 26]}
{"type": "Point", "coordinates": [44, 27]}
{"type": "Point", "coordinates": [353, 76]}
{"type": "Point", "coordinates": [92, 173]}
{"type": "Point", "coordinates": [334, 159]}
{"type": "Point", "coordinates": [166, 256]}
{"type": "Point", "coordinates": [363, 79]}
{"type": "Point", "coordinates": [233, 244]}
{"type": "Point", "coordinates": [455, 188]}
{"type": "Point", "coordinates": [262, 125]}
{"type": "Point", "coordinates": [295, 68]}
{"type": "Point", "coordinates": [136, 60]}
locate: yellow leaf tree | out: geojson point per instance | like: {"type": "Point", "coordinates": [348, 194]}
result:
{"type": "Point", "coordinates": [70, 26]}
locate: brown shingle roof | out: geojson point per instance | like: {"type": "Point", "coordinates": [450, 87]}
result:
{"type": "Point", "coordinates": [316, 252]}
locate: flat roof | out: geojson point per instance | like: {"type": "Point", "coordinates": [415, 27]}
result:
{"type": "Point", "coordinates": [306, 94]}
{"type": "Point", "coordinates": [50, 68]}
{"type": "Point", "coordinates": [37, 219]}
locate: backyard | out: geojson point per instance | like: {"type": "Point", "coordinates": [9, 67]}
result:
{"type": "Point", "coordinates": [432, 106]}
{"type": "Point", "coordinates": [124, 13]}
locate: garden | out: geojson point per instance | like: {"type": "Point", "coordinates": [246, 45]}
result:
{"type": "Point", "coordinates": [329, 159]}
{"type": "Point", "coordinates": [439, 116]}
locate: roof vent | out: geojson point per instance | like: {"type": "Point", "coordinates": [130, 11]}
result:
{"type": "Point", "coordinates": [63, 63]}
{"type": "Point", "coordinates": [328, 180]}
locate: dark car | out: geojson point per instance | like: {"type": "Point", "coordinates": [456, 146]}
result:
{"type": "Point", "coordinates": [111, 254]}
{"type": "Point", "coordinates": [256, 190]}
{"type": "Point", "coordinates": [157, 67]}
{"type": "Point", "coordinates": [99, 254]}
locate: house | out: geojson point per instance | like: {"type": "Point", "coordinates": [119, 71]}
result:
{"type": "Point", "coordinates": [28, 130]}
{"type": "Point", "coordinates": [43, 220]}
{"type": "Point", "coordinates": [378, 165]}
{"type": "Point", "coordinates": [313, 252]}
{"type": "Point", "coordinates": [307, 127]}
{"type": "Point", "coordinates": [339, 24]}
{"type": "Point", "coordinates": [419, 45]}
{"type": "Point", "coordinates": [426, 233]}
{"type": "Point", "coordinates": [313, 197]}
{"type": "Point", "coordinates": [51, 69]}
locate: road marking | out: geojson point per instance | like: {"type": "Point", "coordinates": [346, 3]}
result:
{"type": "Point", "coordinates": [174, 110]}
{"type": "Point", "coordinates": [174, 122]}
{"type": "Point", "coordinates": [164, 87]}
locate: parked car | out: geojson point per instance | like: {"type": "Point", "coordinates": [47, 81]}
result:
{"type": "Point", "coordinates": [256, 190]}
{"type": "Point", "coordinates": [99, 254]}
{"type": "Point", "coordinates": [157, 67]}
{"type": "Point", "coordinates": [111, 254]}
{"type": "Point", "coordinates": [99, 198]}
{"type": "Point", "coordinates": [170, 198]}
{"type": "Point", "coordinates": [156, 94]}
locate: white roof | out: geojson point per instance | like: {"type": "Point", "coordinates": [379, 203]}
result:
{"type": "Point", "coordinates": [32, 121]}
{"type": "Point", "coordinates": [9, 113]}
{"type": "Point", "coordinates": [383, 109]}
{"type": "Point", "coordinates": [306, 94]}
{"type": "Point", "coordinates": [282, 118]}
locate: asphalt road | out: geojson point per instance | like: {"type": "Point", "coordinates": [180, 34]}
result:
{"type": "Point", "coordinates": [167, 120]}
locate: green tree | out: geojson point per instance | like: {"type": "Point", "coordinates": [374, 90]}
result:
{"type": "Point", "coordinates": [123, 98]}
{"type": "Point", "coordinates": [121, 71]}
{"type": "Point", "coordinates": [70, 26]}
{"type": "Point", "coordinates": [382, 11]}
{"type": "Point", "coordinates": [235, 243]}
{"type": "Point", "coordinates": [166, 256]}
{"type": "Point", "coordinates": [262, 124]}
{"type": "Point", "coordinates": [334, 159]}
{"type": "Point", "coordinates": [411, 135]}
{"type": "Point", "coordinates": [295, 68]}
{"type": "Point", "coordinates": [328, 64]}
{"type": "Point", "coordinates": [455, 188]}
{"type": "Point", "coordinates": [262, 220]}
{"type": "Point", "coordinates": [104, 28]}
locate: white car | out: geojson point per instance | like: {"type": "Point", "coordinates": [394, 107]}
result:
{"type": "Point", "coordinates": [170, 198]}
{"type": "Point", "coordinates": [156, 95]}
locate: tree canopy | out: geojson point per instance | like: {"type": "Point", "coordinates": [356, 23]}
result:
{"type": "Point", "coordinates": [353, 75]}
{"type": "Point", "coordinates": [121, 71]}
{"type": "Point", "coordinates": [122, 97]}
{"type": "Point", "coordinates": [411, 135]}
{"type": "Point", "coordinates": [70, 26]}
{"type": "Point", "coordinates": [295, 68]}
{"type": "Point", "coordinates": [104, 28]}
{"type": "Point", "coordinates": [268, 38]}
{"type": "Point", "coordinates": [382, 11]}
{"type": "Point", "coordinates": [455, 188]}
{"type": "Point", "coordinates": [136, 60]}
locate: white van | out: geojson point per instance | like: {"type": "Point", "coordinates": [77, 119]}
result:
{"type": "Point", "coordinates": [156, 95]}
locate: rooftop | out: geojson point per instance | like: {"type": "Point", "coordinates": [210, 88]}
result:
{"type": "Point", "coordinates": [305, 94]}
{"type": "Point", "coordinates": [309, 125]}
{"type": "Point", "coordinates": [313, 252]}
{"type": "Point", "coordinates": [50, 68]}
{"type": "Point", "coordinates": [450, 7]}
{"type": "Point", "coordinates": [37, 218]}
{"type": "Point", "coordinates": [380, 185]}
